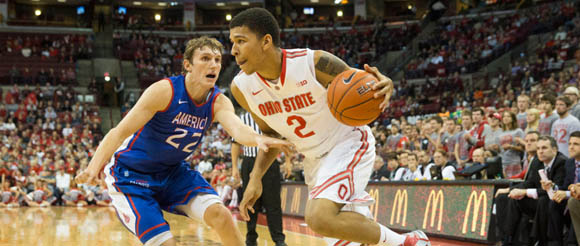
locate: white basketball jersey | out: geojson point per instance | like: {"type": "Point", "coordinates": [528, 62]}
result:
{"type": "Point", "coordinates": [295, 106]}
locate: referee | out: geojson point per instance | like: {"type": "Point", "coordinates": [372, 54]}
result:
{"type": "Point", "coordinates": [270, 199]}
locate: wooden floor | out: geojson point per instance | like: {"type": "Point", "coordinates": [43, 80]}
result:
{"type": "Point", "coordinates": [64, 226]}
{"type": "Point", "coordinates": [100, 226]}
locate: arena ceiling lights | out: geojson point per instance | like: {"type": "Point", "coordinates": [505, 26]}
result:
{"type": "Point", "coordinates": [50, 2]}
{"type": "Point", "coordinates": [301, 3]}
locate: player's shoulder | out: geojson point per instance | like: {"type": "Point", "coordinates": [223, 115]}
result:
{"type": "Point", "coordinates": [297, 51]}
{"type": "Point", "coordinates": [294, 50]}
{"type": "Point", "coordinates": [166, 83]}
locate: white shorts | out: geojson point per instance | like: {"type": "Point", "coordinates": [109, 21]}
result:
{"type": "Point", "coordinates": [344, 172]}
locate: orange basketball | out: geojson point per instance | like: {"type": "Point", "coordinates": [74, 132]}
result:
{"type": "Point", "coordinates": [351, 99]}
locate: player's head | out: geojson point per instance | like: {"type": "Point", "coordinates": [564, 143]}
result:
{"type": "Point", "coordinates": [253, 32]}
{"type": "Point", "coordinates": [202, 59]}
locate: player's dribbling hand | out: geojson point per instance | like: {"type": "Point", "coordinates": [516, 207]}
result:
{"type": "Point", "coordinates": [87, 177]}
{"type": "Point", "coordinates": [385, 86]}
{"type": "Point", "coordinates": [251, 195]}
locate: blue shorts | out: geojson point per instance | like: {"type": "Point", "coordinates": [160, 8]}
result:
{"type": "Point", "coordinates": [139, 198]}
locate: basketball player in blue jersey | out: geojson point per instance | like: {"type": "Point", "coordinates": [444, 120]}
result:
{"type": "Point", "coordinates": [145, 152]}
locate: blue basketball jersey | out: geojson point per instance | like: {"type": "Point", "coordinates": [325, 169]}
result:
{"type": "Point", "coordinates": [171, 135]}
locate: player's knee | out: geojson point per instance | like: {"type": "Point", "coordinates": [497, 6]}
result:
{"type": "Point", "coordinates": [217, 216]}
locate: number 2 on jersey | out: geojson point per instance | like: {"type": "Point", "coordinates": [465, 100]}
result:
{"type": "Point", "coordinates": [187, 148]}
{"type": "Point", "coordinates": [302, 123]}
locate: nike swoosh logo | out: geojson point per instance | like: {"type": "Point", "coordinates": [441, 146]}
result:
{"type": "Point", "coordinates": [257, 92]}
{"type": "Point", "coordinates": [181, 102]}
{"type": "Point", "coordinates": [347, 80]}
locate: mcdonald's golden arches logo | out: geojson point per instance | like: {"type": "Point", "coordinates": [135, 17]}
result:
{"type": "Point", "coordinates": [400, 201]}
{"type": "Point", "coordinates": [374, 193]}
{"type": "Point", "coordinates": [295, 201]}
{"type": "Point", "coordinates": [478, 199]}
{"type": "Point", "coordinates": [434, 199]}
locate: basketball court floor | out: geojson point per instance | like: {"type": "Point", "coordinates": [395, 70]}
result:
{"type": "Point", "coordinates": [99, 226]}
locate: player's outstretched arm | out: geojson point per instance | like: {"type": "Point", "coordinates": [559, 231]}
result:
{"type": "Point", "coordinates": [328, 66]}
{"type": "Point", "coordinates": [245, 135]}
{"type": "Point", "coordinates": [155, 98]}
{"type": "Point", "coordinates": [263, 160]}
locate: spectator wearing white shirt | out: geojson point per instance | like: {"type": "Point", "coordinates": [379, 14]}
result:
{"type": "Point", "coordinates": [561, 35]}
{"type": "Point", "coordinates": [67, 130]}
{"type": "Point", "coordinates": [401, 171]}
{"type": "Point", "coordinates": [204, 166]}
{"type": "Point", "coordinates": [9, 125]}
{"type": "Point", "coordinates": [50, 113]}
{"type": "Point", "coordinates": [62, 182]}
{"type": "Point", "coordinates": [414, 173]}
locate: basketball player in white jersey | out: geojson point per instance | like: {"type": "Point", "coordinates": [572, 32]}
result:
{"type": "Point", "coordinates": [285, 90]}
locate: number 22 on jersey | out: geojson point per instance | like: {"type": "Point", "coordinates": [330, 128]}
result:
{"type": "Point", "coordinates": [187, 148]}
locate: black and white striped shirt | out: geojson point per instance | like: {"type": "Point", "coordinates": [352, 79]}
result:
{"type": "Point", "coordinates": [248, 120]}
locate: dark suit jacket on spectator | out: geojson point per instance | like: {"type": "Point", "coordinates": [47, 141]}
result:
{"type": "Point", "coordinates": [570, 177]}
{"type": "Point", "coordinates": [556, 174]}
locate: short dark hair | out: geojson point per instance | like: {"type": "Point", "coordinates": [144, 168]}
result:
{"type": "Point", "coordinates": [534, 132]}
{"type": "Point", "coordinates": [442, 152]}
{"type": "Point", "coordinates": [480, 110]}
{"type": "Point", "coordinates": [553, 143]}
{"type": "Point", "coordinates": [549, 98]}
{"type": "Point", "coordinates": [391, 156]}
{"type": "Point", "coordinates": [414, 155]}
{"type": "Point", "coordinates": [438, 119]}
{"type": "Point", "coordinates": [565, 99]}
{"type": "Point", "coordinates": [259, 21]}
{"type": "Point", "coordinates": [575, 134]}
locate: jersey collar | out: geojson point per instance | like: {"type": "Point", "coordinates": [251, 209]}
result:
{"type": "Point", "coordinates": [282, 73]}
